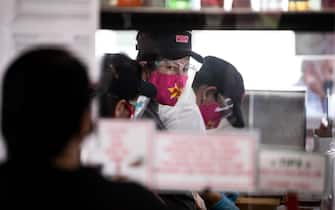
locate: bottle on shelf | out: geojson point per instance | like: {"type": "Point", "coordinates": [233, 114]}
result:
{"type": "Point", "coordinates": [272, 5]}
{"type": "Point", "coordinates": [129, 3]}
{"type": "Point", "coordinates": [122, 3]}
{"type": "Point", "coordinates": [326, 125]}
{"type": "Point", "coordinates": [178, 4]}
{"type": "Point", "coordinates": [212, 3]}
{"type": "Point", "coordinates": [292, 201]}
{"type": "Point", "coordinates": [315, 5]}
{"type": "Point", "coordinates": [328, 4]}
{"type": "Point", "coordinates": [298, 5]}
{"type": "Point", "coordinates": [154, 3]}
{"type": "Point", "coordinates": [241, 4]}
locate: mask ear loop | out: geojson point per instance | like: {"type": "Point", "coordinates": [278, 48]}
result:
{"type": "Point", "coordinates": [228, 104]}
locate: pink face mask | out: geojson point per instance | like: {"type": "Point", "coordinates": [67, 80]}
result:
{"type": "Point", "coordinates": [211, 117]}
{"type": "Point", "coordinates": [169, 87]}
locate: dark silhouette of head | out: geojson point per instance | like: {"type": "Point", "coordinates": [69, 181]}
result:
{"type": "Point", "coordinates": [46, 93]}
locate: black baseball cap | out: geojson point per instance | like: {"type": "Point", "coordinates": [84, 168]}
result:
{"type": "Point", "coordinates": [122, 77]}
{"type": "Point", "coordinates": [171, 45]}
{"type": "Point", "coordinates": [228, 81]}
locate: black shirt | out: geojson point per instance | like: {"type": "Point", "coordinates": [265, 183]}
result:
{"type": "Point", "coordinates": [42, 187]}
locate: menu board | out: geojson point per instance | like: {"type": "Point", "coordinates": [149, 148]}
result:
{"type": "Point", "coordinates": [291, 171]}
{"type": "Point", "coordinates": [126, 148]}
{"type": "Point", "coordinates": [178, 161]}
{"type": "Point", "coordinates": [225, 161]}
{"type": "Point", "coordinates": [69, 23]}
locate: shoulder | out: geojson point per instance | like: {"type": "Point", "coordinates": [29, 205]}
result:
{"type": "Point", "coordinates": [126, 195]}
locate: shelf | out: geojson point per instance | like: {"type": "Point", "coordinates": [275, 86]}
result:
{"type": "Point", "coordinates": [214, 19]}
{"type": "Point", "coordinates": [258, 201]}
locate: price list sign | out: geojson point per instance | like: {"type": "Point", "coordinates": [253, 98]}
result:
{"type": "Point", "coordinates": [221, 162]}
{"type": "Point", "coordinates": [291, 171]}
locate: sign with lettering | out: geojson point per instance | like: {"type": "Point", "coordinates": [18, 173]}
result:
{"type": "Point", "coordinates": [179, 161]}
{"type": "Point", "coordinates": [225, 161]}
{"type": "Point", "coordinates": [291, 171]}
{"type": "Point", "coordinates": [27, 24]}
{"type": "Point", "coordinates": [126, 147]}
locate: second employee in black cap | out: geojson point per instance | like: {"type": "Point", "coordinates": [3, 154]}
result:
{"type": "Point", "coordinates": [219, 89]}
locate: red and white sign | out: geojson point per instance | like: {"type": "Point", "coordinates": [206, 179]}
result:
{"type": "Point", "coordinates": [291, 171]}
{"type": "Point", "coordinates": [194, 162]}
{"type": "Point", "coordinates": [178, 161]}
{"type": "Point", "coordinates": [182, 39]}
{"type": "Point", "coordinates": [126, 147]}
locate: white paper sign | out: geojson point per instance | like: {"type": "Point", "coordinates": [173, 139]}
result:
{"type": "Point", "coordinates": [291, 171]}
{"type": "Point", "coordinates": [194, 162]}
{"type": "Point", "coordinates": [127, 149]}
{"type": "Point", "coordinates": [178, 161]}
{"type": "Point", "coordinates": [69, 23]}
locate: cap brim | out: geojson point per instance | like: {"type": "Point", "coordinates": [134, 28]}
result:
{"type": "Point", "coordinates": [147, 89]}
{"type": "Point", "coordinates": [177, 54]}
{"type": "Point", "coordinates": [146, 56]}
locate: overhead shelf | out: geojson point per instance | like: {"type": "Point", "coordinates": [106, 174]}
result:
{"type": "Point", "coordinates": [141, 18]}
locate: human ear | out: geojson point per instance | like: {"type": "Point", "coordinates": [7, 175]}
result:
{"type": "Point", "coordinates": [121, 110]}
{"type": "Point", "coordinates": [208, 94]}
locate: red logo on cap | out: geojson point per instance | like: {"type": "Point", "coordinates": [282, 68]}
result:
{"type": "Point", "coordinates": [182, 38]}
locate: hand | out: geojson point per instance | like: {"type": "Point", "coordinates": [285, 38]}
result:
{"type": "Point", "coordinates": [210, 197]}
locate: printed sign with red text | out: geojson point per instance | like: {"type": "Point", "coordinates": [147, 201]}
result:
{"type": "Point", "coordinates": [292, 171]}
{"type": "Point", "coordinates": [225, 161]}
{"type": "Point", "coordinates": [127, 147]}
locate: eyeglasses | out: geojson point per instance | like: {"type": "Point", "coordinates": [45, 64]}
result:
{"type": "Point", "coordinates": [178, 66]}
{"type": "Point", "coordinates": [172, 66]}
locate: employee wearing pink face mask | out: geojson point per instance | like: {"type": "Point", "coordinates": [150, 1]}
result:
{"type": "Point", "coordinates": [219, 90]}
{"type": "Point", "coordinates": [165, 57]}
{"type": "Point", "coordinates": [120, 85]}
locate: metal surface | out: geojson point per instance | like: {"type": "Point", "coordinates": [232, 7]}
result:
{"type": "Point", "coordinates": [280, 116]}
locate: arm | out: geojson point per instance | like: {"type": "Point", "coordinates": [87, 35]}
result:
{"type": "Point", "coordinates": [219, 201]}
